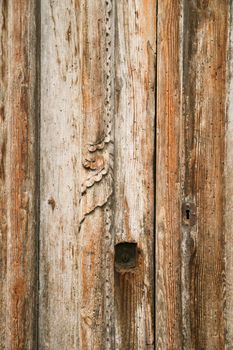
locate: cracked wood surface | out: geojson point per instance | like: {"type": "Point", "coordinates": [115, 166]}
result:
{"type": "Point", "coordinates": [168, 181]}
{"type": "Point", "coordinates": [134, 169]}
{"type": "Point", "coordinates": [96, 183]}
{"type": "Point", "coordinates": [18, 175]}
{"type": "Point", "coordinates": [97, 100]}
{"type": "Point", "coordinates": [228, 193]}
{"type": "Point", "coordinates": [192, 52]}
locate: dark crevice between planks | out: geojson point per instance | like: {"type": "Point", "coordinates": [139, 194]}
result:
{"type": "Point", "coordinates": [155, 170]}
{"type": "Point", "coordinates": [38, 140]}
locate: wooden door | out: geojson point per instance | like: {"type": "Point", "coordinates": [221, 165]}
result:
{"type": "Point", "coordinates": [115, 175]}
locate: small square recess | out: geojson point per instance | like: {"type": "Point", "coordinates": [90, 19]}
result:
{"type": "Point", "coordinates": [126, 255]}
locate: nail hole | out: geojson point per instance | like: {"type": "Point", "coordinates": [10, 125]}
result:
{"type": "Point", "coordinates": [187, 214]}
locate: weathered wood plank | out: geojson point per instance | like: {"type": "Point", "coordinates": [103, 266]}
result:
{"type": "Point", "coordinates": [134, 170]}
{"type": "Point", "coordinates": [97, 176]}
{"type": "Point", "coordinates": [192, 60]}
{"type": "Point", "coordinates": [76, 283]}
{"type": "Point", "coordinates": [228, 200]}
{"type": "Point", "coordinates": [60, 173]}
{"type": "Point", "coordinates": [204, 68]}
{"type": "Point", "coordinates": [3, 190]}
{"type": "Point", "coordinates": [95, 212]}
{"type": "Point", "coordinates": [77, 149]}
{"type": "Point", "coordinates": [168, 176]}
{"type": "Point", "coordinates": [18, 178]}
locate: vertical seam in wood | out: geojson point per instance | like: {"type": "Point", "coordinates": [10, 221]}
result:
{"type": "Point", "coordinates": [38, 130]}
{"type": "Point", "coordinates": [226, 205]}
{"type": "Point", "coordinates": [155, 171]}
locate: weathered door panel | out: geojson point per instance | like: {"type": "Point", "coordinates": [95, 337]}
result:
{"type": "Point", "coordinates": [108, 109]}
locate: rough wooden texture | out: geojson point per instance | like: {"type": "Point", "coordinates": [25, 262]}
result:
{"type": "Point", "coordinates": [79, 62]}
{"type": "Point", "coordinates": [134, 169]}
{"type": "Point", "coordinates": [229, 189]}
{"type": "Point", "coordinates": [60, 173]}
{"type": "Point", "coordinates": [3, 190]}
{"type": "Point", "coordinates": [192, 39]}
{"type": "Point", "coordinates": [91, 159]}
{"type": "Point", "coordinates": [168, 182]}
{"type": "Point", "coordinates": [18, 167]}
{"type": "Point", "coordinates": [76, 259]}
{"type": "Point", "coordinates": [205, 39]}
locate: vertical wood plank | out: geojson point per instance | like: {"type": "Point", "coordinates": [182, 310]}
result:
{"type": "Point", "coordinates": [18, 177]}
{"type": "Point", "coordinates": [134, 170]}
{"type": "Point", "coordinates": [204, 68]}
{"type": "Point", "coordinates": [3, 155]}
{"type": "Point", "coordinates": [60, 173]}
{"type": "Point", "coordinates": [168, 176]}
{"type": "Point", "coordinates": [228, 201]}
{"type": "Point", "coordinates": [76, 300]}
{"type": "Point", "coordinates": [96, 325]}
{"type": "Point", "coordinates": [190, 144]}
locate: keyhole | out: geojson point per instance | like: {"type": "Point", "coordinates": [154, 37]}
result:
{"type": "Point", "coordinates": [188, 213]}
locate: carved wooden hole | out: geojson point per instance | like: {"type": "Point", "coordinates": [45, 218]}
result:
{"type": "Point", "coordinates": [126, 255]}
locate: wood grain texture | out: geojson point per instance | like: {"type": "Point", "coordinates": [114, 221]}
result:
{"type": "Point", "coordinates": [205, 39]}
{"type": "Point", "coordinates": [18, 175]}
{"type": "Point", "coordinates": [190, 146]}
{"type": "Point", "coordinates": [168, 176]}
{"type": "Point", "coordinates": [3, 191]}
{"type": "Point", "coordinates": [76, 298]}
{"type": "Point", "coordinates": [134, 169]}
{"type": "Point", "coordinates": [91, 160]}
{"type": "Point", "coordinates": [79, 111]}
{"type": "Point", "coordinates": [60, 173]}
{"type": "Point", "coordinates": [228, 200]}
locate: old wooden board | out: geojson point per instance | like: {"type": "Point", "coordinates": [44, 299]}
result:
{"type": "Point", "coordinates": [97, 150]}
{"type": "Point", "coordinates": [60, 150]}
{"type": "Point", "coordinates": [192, 43]}
{"type": "Point", "coordinates": [18, 175]}
{"type": "Point", "coordinates": [109, 108]}
{"type": "Point", "coordinates": [168, 177]}
{"type": "Point", "coordinates": [228, 193]}
{"type": "Point", "coordinates": [134, 169]}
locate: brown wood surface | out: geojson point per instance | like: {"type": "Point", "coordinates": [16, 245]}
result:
{"type": "Point", "coordinates": [95, 128]}
{"type": "Point", "coordinates": [18, 175]}
{"type": "Point", "coordinates": [168, 176]}
{"type": "Point", "coordinates": [135, 48]}
{"type": "Point", "coordinates": [192, 39]}
{"type": "Point", "coordinates": [96, 182]}
{"type": "Point", "coordinates": [228, 193]}
{"type": "Point", "coordinates": [205, 38]}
